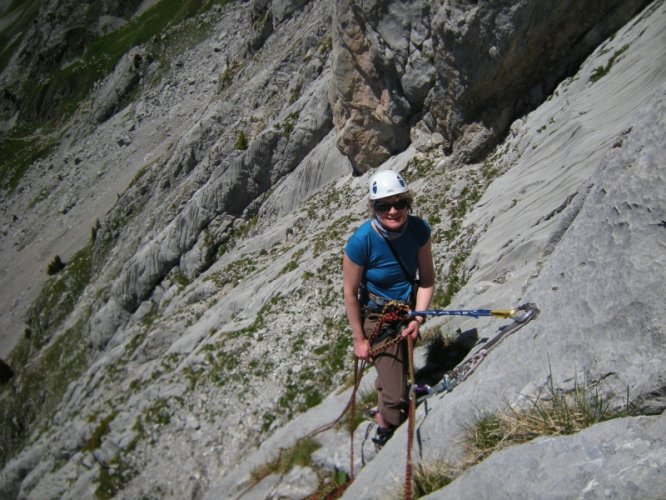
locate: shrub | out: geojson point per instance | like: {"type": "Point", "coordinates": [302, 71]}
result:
{"type": "Point", "coordinates": [55, 266]}
{"type": "Point", "coordinates": [241, 142]}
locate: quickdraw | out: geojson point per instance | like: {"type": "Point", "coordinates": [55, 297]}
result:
{"type": "Point", "coordinates": [521, 316]}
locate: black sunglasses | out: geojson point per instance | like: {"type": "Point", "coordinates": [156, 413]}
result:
{"type": "Point", "coordinates": [385, 206]}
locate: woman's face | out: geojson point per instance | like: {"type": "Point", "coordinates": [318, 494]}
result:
{"type": "Point", "coordinates": [392, 212]}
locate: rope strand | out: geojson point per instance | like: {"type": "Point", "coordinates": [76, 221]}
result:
{"type": "Point", "coordinates": [411, 419]}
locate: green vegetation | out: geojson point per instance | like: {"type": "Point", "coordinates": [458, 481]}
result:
{"type": "Point", "coordinates": [287, 127]}
{"type": "Point", "coordinates": [554, 413]}
{"type": "Point", "coordinates": [227, 77]}
{"type": "Point", "coordinates": [57, 300]}
{"type": "Point", "coordinates": [241, 142]}
{"type": "Point", "coordinates": [293, 263]}
{"type": "Point", "coordinates": [456, 278]}
{"type": "Point", "coordinates": [112, 479]}
{"type": "Point", "coordinates": [287, 459]}
{"type": "Point", "coordinates": [158, 414]}
{"type": "Point", "coordinates": [429, 477]}
{"type": "Point", "coordinates": [39, 387]}
{"type": "Point", "coordinates": [323, 49]}
{"type": "Point", "coordinates": [47, 104]}
{"type": "Point", "coordinates": [179, 278]}
{"type": "Point", "coordinates": [418, 168]}
{"type": "Point", "coordinates": [331, 483]}
{"type": "Point", "coordinates": [55, 266]}
{"type": "Point", "coordinates": [101, 55]}
{"type": "Point", "coordinates": [237, 234]}
{"type": "Point", "coordinates": [47, 364]}
{"type": "Point", "coordinates": [19, 148]}
{"type": "Point", "coordinates": [489, 171]}
{"type": "Point", "coordinates": [220, 363]}
{"type": "Point", "coordinates": [100, 431]}
{"type": "Point", "coordinates": [601, 71]}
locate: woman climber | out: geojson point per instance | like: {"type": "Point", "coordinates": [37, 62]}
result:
{"type": "Point", "coordinates": [380, 265]}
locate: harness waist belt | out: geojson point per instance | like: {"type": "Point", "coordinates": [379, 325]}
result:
{"type": "Point", "coordinates": [376, 300]}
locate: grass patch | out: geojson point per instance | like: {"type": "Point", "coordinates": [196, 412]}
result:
{"type": "Point", "coordinates": [553, 413]}
{"type": "Point", "coordinates": [601, 71]}
{"type": "Point", "coordinates": [20, 148]}
{"type": "Point", "coordinates": [46, 364]}
{"type": "Point", "coordinates": [98, 434]}
{"type": "Point", "coordinates": [39, 387]}
{"type": "Point", "coordinates": [113, 479]}
{"type": "Point", "coordinates": [331, 483]}
{"type": "Point", "coordinates": [550, 413]}
{"type": "Point", "coordinates": [65, 87]}
{"type": "Point", "coordinates": [418, 168]}
{"type": "Point", "coordinates": [287, 127]}
{"type": "Point", "coordinates": [287, 459]}
{"type": "Point", "coordinates": [427, 478]}
{"type": "Point", "coordinates": [57, 299]}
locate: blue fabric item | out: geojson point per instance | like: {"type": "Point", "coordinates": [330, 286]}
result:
{"type": "Point", "coordinates": [382, 274]}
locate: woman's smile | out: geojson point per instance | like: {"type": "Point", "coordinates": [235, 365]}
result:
{"type": "Point", "coordinates": [391, 216]}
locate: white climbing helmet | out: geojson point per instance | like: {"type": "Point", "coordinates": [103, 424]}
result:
{"type": "Point", "coordinates": [386, 183]}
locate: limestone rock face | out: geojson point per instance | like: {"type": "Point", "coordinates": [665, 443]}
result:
{"type": "Point", "coordinates": [399, 64]}
{"type": "Point", "coordinates": [60, 35]}
{"type": "Point", "coordinates": [371, 112]}
{"type": "Point", "coordinates": [577, 229]}
{"type": "Point", "coordinates": [621, 458]}
{"type": "Point", "coordinates": [115, 88]}
{"type": "Point", "coordinates": [197, 330]}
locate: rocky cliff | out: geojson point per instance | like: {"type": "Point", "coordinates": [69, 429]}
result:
{"type": "Point", "coordinates": [199, 194]}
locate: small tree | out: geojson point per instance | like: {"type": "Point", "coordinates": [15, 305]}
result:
{"type": "Point", "coordinates": [55, 266]}
{"type": "Point", "coordinates": [241, 142]}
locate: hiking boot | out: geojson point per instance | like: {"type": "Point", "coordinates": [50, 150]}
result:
{"type": "Point", "coordinates": [383, 434]}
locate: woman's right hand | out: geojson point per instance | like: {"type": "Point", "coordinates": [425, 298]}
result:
{"type": "Point", "coordinates": [362, 349]}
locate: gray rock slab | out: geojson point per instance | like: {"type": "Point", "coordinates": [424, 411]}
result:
{"type": "Point", "coordinates": [621, 458]}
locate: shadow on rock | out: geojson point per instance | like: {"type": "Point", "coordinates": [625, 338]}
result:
{"type": "Point", "coordinates": [6, 372]}
{"type": "Point", "coordinates": [444, 354]}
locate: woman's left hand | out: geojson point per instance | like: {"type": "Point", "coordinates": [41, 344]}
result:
{"type": "Point", "coordinates": [412, 329]}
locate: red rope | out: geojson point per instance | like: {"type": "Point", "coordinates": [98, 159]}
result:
{"type": "Point", "coordinates": [411, 418]}
{"type": "Point", "coordinates": [352, 418]}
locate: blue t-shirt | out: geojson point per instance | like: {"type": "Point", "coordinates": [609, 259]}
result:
{"type": "Point", "coordinates": [382, 274]}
